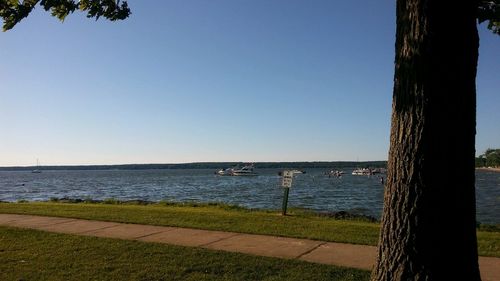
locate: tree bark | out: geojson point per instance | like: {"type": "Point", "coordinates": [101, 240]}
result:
{"type": "Point", "coordinates": [428, 224]}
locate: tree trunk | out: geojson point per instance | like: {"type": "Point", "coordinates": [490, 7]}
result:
{"type": "Point", "coordinates": [428, 225]}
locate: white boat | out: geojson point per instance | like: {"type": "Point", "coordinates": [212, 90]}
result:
{"type": "Point", "coordinates": [362, 172]}
{"type": "Point", "coordinates": [247, 170]}
{"type": "Point", "coordinates": [225, 172]}
{"type": "Point", "coordinates": [335, 173]}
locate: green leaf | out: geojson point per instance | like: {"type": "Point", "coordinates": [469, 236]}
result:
{"type": "Point", "coordinates": [13, 11]}
{"type": "Point", "coordinates": [489, 10]}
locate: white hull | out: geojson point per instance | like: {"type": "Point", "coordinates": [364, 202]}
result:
{"type": "Point", "coordinates": [245, 171]}
{"type": "Point", "coordinates": [244, 174]}
{"type": "Point", "coordinates": [362, 172]}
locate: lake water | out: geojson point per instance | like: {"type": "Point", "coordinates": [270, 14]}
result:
{"type": "Point", "coordinates": [314, 190]}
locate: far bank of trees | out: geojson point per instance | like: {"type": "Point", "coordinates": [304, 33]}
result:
{"type": "Point", "coordinates": [490, 158]}
{"type": "Point", "coordinates": [212, 165]}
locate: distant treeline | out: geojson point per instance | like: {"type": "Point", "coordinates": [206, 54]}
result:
{"type": "Point", "coordinates": [490, 158]}
{"type": "Point", "coordinates": [209, 165]}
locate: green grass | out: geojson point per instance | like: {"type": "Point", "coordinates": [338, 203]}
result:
{"type": "Point", "coordinates": [300, 224]}
{"type": "Point", "coordinates": [488, 244]}
{"type": "Point", "coordinates": [37, 255]}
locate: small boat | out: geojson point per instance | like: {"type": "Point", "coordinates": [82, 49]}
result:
{"type": "Point", "coordinates": [37, 170]}
{"type": "Point", "coordinates": [335, 173]}
{"type": "Point", "coordinates": [362, 172]}
{"type": "Point", "coordinates": [246, 170]}
{"type": "Point", "coordinates": [225, 172]}
{"type": "Point", "coordinates": [379, 171]}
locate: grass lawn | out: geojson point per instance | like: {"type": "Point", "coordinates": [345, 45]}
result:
{"type": "Point", "coordinates": [299, 224]}
{"type": "Point", "coordinates": [37, 255]}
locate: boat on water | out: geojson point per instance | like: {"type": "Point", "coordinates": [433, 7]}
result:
{"type": "Point", "coordinates": [247, 170]}
{"type": "Point", "coordinates": [335, 173]}
{"type": "Point", "coordinates": [362, 172]}
{"type": "Point", "coordinates": [368, 171]}
{"type": "Point", "coordinates": [379, 171]}
{"type": "Point", "coordinates": [225, 172]}
{"type": "Point", "coordinates": [37, 170]}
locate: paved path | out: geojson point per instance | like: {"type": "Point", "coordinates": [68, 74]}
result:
{"type": "Point", "coordinates": [355, 256]}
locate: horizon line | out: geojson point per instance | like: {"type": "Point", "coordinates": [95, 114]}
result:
{"type": "Point", "coordinates": [189, 163]}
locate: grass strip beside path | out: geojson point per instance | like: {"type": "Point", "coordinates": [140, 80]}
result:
{"type": "Point", "coordinates": [212, 217]}
{"type": "Point", "coordinates": [37, 255]}
{"type": "Point", "coordinates": [300, 224]}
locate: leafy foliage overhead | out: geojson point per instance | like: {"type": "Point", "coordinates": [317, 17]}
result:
{"type": "Point", "coordinates": [489, 10]}
{"type": "Point", "coordinates": [13, 11]}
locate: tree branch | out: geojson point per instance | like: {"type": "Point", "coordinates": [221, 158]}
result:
{"type": "Point", "coordinates": [13, 11]}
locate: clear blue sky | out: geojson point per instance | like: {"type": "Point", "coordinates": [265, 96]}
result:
{"type": "Point", "coordinates": [223, 80]}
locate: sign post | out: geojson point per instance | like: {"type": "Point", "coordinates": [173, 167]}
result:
{"type": "Point", "coordinates": [286, 183]}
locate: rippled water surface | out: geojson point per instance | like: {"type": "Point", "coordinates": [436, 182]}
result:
{"type": "Point", "coordinates": [358, 194]}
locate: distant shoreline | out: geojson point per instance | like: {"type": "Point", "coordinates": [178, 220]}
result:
{"type": "Point", "coordinates": [489, 169]}
{"type": "Point", "coordinates": [208, 165]}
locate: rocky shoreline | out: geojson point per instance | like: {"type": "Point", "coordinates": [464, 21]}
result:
{"type": "Point", "coordinates": [342, 215]}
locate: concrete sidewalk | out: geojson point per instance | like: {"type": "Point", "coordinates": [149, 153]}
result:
{"type": "Point", "coordinates": [348, 255]}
